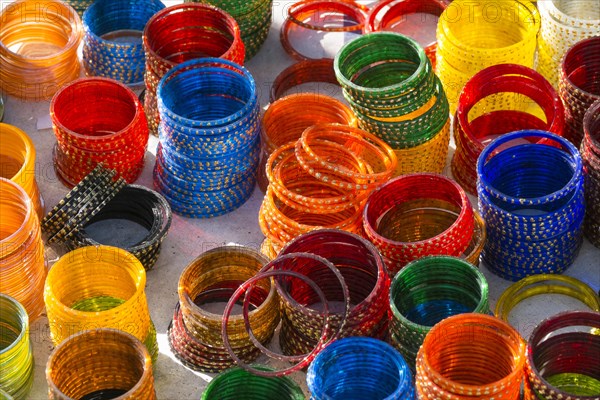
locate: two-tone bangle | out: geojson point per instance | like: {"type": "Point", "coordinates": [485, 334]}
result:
{"type": "Point", "coordinates": [306, 71]}
{"type": "Point", "coordinates": [590, 153]}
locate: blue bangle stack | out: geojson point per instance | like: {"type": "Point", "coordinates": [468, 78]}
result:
{"type": "Point", "coordinates": [531, 197]}
{"type": "Point", "coordinates": [112, 46]}
{"type": "Point", "coordinates": [207, 158]}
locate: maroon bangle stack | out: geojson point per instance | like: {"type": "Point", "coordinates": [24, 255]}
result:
{"type": "Point", "coordinates": [590, 153]}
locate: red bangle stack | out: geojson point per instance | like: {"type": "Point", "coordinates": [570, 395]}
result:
{"type": "Point", "coordinates": [98, 120]}
{"type": "Point", "coordinates": [590, 153]}
{"type": "Point", "coordinates": [185, 32]}
{"type": "Point", "coordinates": [528, 97]}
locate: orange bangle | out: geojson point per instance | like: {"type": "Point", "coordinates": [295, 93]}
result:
{"type": "Point", "coordinates": [320, 70]}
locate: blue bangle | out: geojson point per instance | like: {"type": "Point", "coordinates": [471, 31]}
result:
{"type": "Point", "coordinates": [122, 60]}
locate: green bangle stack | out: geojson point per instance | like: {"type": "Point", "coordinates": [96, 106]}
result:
{"type": "Point", "coordinates": [429, 290]}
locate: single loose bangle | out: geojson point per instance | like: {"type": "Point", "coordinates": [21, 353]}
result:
{"type": "Point", "coordinates": [305, 71]}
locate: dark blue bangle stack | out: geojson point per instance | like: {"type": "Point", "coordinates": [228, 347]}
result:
{"type": "Point", "coordinates": [112, 46]}
{"type": "Point", "coordinates": [531, 197]}
{"type": "Point", "coordinates": [359, 368]}
{"type": "Point", "coordinates": [207, 158]}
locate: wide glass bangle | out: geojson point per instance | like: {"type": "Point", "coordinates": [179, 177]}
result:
{"type": "Point", "coordinates": [98, 120]}
{"type": "Point", "coordinates": [579, 84]}
{"type": "Point", "coordinates": [302, 72]}
{"type": "Point", "coordinates": [562, 358]}
{"type": "Point", "coordinates": [545, 285]}
{"type": "Point", "coordinates": [38, 48]}
{"type": "Point", "coordinates": [112, 44]}
{"type": "Point", "coordinates": [427, 291]}
{"type": "Point", "coordinates": [533, 206]}
{"type": "Point", "coordinates": [590, 152]}
{"type": "Point", "coordinates": [528, 102]}
{"type": "Point", "coordinates": [106, 280]}
{"type": "Point", "coordinates": [360, 368]}
{"type": "Point", "coordinates": [22, 262]}
{"type": "Point", "coordinates": [17, 163]}
{"type": "Point", "coordinates": [472, 356]}
{"type": "Point", "coordinates": [181, 33]}
{"type": "Point", "coordinates": [209, 137]}
{"type": "Point", "coordinates": [100, 364]}
{"type": "Point", "coordinates": [16, 352]}
{"type": "Point", "coordinates": [238, 383]}
{"type": "Point", "coordinates": [403, 219]}
{"type": "Point", "coordinates": [472, 37]}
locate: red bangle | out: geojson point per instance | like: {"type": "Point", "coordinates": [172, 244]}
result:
{"type": "Point", "coordinates": [303, 72]}
{"type": "Point", "coordinates": [98, 120]}
{"type": "Point", "coordinates": [471, 135]}
{"type": "Point", "coordinates": [590, 153]}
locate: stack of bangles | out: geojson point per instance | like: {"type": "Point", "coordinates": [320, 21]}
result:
{"type": "Point", "coordinates": [98, 120]}
{"type": "Point", "coordinates": [590, 153]}
{"type": "Point", "coordinates": [307, 71]}
{"type": "Point", "coordinates": [16, 354]}
{"type": "Point", "coordinates": [323, 181]}
{"type": "Point", "coordinates": [530, 103]}
{"type": "Point", "coordinates": [209, 137]}
{"type": "Point", "coordinates": [181, 33]}
{"type": "Point", "coordinates": [421, 215]}
{"type": "Point", "coordinates": [342, 17]}
{"type": "Point", "coordinates": [428, 291]}
{"type": "Point", "coordinates": [362, 274]}
{"type": "Point", "coordinates": [386, 15]}
{"type": "Point", "coordinates": [195, 331]}
{"type": "Point", "coordinates": [579, 85]}
{"type": "Point", "coordinates": [390, 85]}
{"type": "Point", "coordinates": [545, 284]}
{"type": "Point", "coordinates": [531, 197]}
{"type": "Point", "coordinates": [563, 358]}
{"type": "Point", "coordinates": [38, 48]}
{"type": "Point", "coordinates": [17, 163]}
{"type": "Point", "coordinates": [100, 364]}
{"type": "Point", "coordinates": [286, 119]}
{"type": "Point", "coordinates": [80, 5]}
{"type": "Point", "coordinates": [360, 368]}
{"type": "Point", "coordinates": [99, 287]}
{"type": "Point", "coordinates": [474, 36]}
{"type": "Point", "coordinates": [564, 23]}
{"type": "Point", "coordinates": [253, 17]}
{"type": "Point", "coordinates": [22, 262]}
{"type": "Point", "coordinates": [471, 356]}
{"type": "Point", "coordinates": [112, 45]}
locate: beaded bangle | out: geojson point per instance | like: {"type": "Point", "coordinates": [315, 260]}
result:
{"type": "Point", "coordinates": [427, 291]}
{"type": "Point", "coordinates": [563, 363]}
{"type": "Point", "coordinates": [545, 284]}
{"type": "Point", "coordinates": [21, 249]}
{"type": "Point", "coordinates": [100, 363]}
{"type": "Point", "coordinates": [579, 84]}
{"type": "Point", "coordinates": [108, 126]}
{"type": "Point", "coordinates": [107, 280]}
{"type": "Point", "coordinates": [406, 219]}
{"type": "Point", "coordinates": [471, 356]}
{"type": "Point", "coordinates": [17, 163]}
{"type": "Point", "coordinates": [472, 37]}
{"type": "Point", "coordinates": [302, 72]}
{"type": "Point", "coordinates": [16, 356]}
{"type": "Point", "coordinates": [590, 152]}
{"type": "Point", "coordinates": [362, 367]}
{"type": "Point", "coordinates": [533, 206]}
{"type": "Point", "coordinates": [112, 45]}
{"type": "Point", "coordinates": [525, 93]}
{"type": "Point", "coordinates": [38, 48]}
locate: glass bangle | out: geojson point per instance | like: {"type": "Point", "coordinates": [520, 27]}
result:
{"type": "Point", "coordinates": [590, 153]}
{"type": "Point", "coordinates": [302, 72]}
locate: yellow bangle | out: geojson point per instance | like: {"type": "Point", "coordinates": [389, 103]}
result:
{"type": "Point", "coordinates": [427, 157]}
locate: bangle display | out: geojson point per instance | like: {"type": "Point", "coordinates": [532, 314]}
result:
{"type": "Point", "coordinates": [472, 37]}
{"type": "Point", "coordinates": [590, 153]}
{"type": "Point", "coordinates": [16, 356]}
{"type": "Point", "coordinates": [579, 85]}
{"type": "Point", "coordinates": [426, 292]}
{"type": "Point", "coordinates": [120, 366]}
{"type": "Point", "coordinates": [21, 249]}
{"type": "Point", "coordinates": [530, 102]}
{"type": "Point", "coordinates": [365, 367]}
{"type": "Point", "coordinates": [181, 33]}
{"type": "Point", "coordinates": [533, 206]}
{"type": "Point", "coordinates": [472, 356]}
{"type": "Point", "coordinates": [38, 48]}
{"type": "Point", "coordinates": [300, 73]}
{"type": "Point", "coordinates": [107, 125]}
{"type": "Point", "coordinates": [17, 163]}
{"type": "Point", "coordinates": [112, 43]}
{"type": "Point", "coordinates": [562, 363]}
